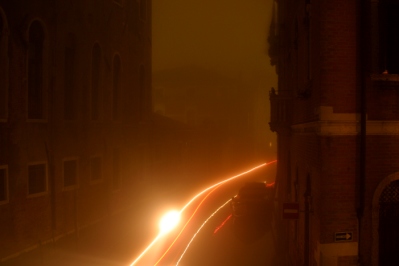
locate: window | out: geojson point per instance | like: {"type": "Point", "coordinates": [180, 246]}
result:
{"type": "Point", "coordinates": [35, 71]}
{"type": "Point", "coordinates": [120, 2]}
{"type": "Point", "coordinates": [143, 163]}
{"type": "Point", "coordinates": [69, 80]}
{"type": "Point", "coordinates": [37, 178]}
{"type": "Point", "coordinates": [3, 184]}
{"type": "Point", "coordinates": [116, 177]}
{"type": "Point", "coordinates": [143, 9]}
{"type": "Point", "coordinates": [116, 88]}
{"type": "Point", "coordinates": [70, 173]}
{"type": "Point", "coordinates": [95, 169]}
{"type": "Point", "coordinates": [389, 36]}
{"type": "Point", "coordinates": [3, 70]}
{"type": "Point", "coordinates": [95, 82]}
{"type": "Point", "coordinates": [142, 98]}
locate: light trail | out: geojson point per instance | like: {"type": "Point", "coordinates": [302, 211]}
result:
{"type": "Point", "coordinates": [224, 181]}
{"type": "Point", "coordinates": [145, 251]}
{"type": "Point", "coordinates": [222, 224]}
{"type": "Point", "coordinates": [199, 229]}
{"type": "Point", "coordinates": [184, 227]}
{"type": "Point", "coordinates": [271, 184]}
{"type": "Point", "coordinates": [195, 197]}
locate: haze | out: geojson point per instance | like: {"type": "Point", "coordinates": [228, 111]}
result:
{"type": "Point", "coordinates": [228, 38]}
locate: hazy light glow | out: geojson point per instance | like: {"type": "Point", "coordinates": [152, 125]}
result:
{"type": "Point", "coordinates": [199, 229]}
{"type": "Point", "coordinates": [184, 227]}
{"type": "Point", "coordinates": [169, 221]}
{"type": "Point", "coordinates": [188, 204]}
{"type": "Point", "coordinates": [224, 181]}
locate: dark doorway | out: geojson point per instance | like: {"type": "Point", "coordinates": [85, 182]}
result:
{"type": "Point", "coordinates": [389, 225]}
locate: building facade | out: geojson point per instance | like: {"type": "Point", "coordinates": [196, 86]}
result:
{"type": "Point", "coordinates": [336, 115]}
{"type": "Point", "coordinates": [77, 136]}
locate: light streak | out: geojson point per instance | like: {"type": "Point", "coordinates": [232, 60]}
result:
{"type": "Point", "coordinates": [145, 251]}
{"type": "Point", "coordinates": [222, 224]}
{"type": "Point", "coordinates": [184, 227]}
{"type": "Point", "coordinates": [169, 221]}
{"type": "Point", "coordinates": [224, 181]}
{"type": "Point", "coordinates": [199, 229]}
{"type": "Point", "coordinates": [195, 197]}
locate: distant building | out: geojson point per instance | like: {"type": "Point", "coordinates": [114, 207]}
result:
{"type": "Point", "coordinates": [226, 111]}
{"type": "Point", "coordinates": [78, 140]}
{"type": "Point", "coordinates": [336, 114]}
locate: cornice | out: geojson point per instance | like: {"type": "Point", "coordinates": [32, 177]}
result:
{"type": "Point", "coordinates": [347, 128]}
{"type": "Point", "coordinates": [344, 124]}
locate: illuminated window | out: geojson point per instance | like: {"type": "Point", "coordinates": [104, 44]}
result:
{"type": "Point", "coordinates": [95, 82]}
{"type": "Point", "coordinates": [70, 173]}
{"type": "Point", "coordinates": [3, 70]}
{"type": "Point", "coordinates": [3, 184]}
{"type": "Point", "coordinates": [95, 169]}
{"type": "Point", "coordinates": [37, 178]}
{"type": "Point", "coordinates": [116, 88]}
{"type": "Point", "coordinates": [35, 71]}
{"type": "Point", "coordinates": [70, 105]}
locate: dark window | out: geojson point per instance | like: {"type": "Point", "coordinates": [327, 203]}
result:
{"type": "Point", "coordinates": [389, 36]}
{"type": "Point", "coordinates": [37, 179]}
{"type": "Point", "coordinates": [3, 185]}
{"type": "Point", "coordinates": [95, 82]}
{"type": "Point", "coordinates": [142, 85]}
{"type": "Point", "coordinates": [116, 88]}
{"type": "Point", "coordinates": [1, 28]}
{"type": "Point", "coordinates": [69, 80]}
{"type": "Point", "coordinates": [116, 177]}
{"type": "Point", "coordinates": [70, 173]}
{"type": "Point", "coordinates": [388, 225]}
{"type": "Point", "coordinates": [120, 2]}
{"type": "Point", "coordinates": [3, 72]}
{"type": "Point", "coordinates": [143, 9]}
{"type": "Point", "coordinates": [95, 169]}
{"type": "Point", "coordinates": [35, 71]}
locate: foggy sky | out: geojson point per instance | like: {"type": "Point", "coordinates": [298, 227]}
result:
{"type": "Point", "coordinates": [229, 36]}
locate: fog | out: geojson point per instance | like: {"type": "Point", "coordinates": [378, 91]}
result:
{"type": "Point", "coordinates": [213, 48]}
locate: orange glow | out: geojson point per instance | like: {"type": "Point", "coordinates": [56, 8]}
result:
{"type": "Point", "coordinates": [221, 225]}
{"type": "Point", "coordinates": [270, 185]}
{"type": "Point", "coordinates": [169, 221]}
{"type": "Point", "coordinates": [184, 227]}
{"type": "Point", "coordinates": [213, 187]}
{"type": "Point", "coordinates": [199, 229]}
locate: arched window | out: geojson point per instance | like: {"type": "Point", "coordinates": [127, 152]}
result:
{"type": "Point", "coordinates": [116, 88]}
{"type": "Point", "coordinates": [35, 71]}
{"type": "Point", "coordinates": [95, 82]}
{"type": "Point", "coordinates": [70, 92]}
{"type": "Point", "coordinates": [3, 69]}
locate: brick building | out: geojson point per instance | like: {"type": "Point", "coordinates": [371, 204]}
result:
{"type": "Point", "coordinates": [78, 140]}
{"type": "Point", "coordinates": [336, 115]}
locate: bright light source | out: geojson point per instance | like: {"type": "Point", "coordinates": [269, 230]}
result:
{"type": "Point", "coordinates": [169, 221]}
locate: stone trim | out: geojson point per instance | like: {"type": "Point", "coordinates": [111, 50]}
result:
{"type": "Point", "coordinates": [344, 124]}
